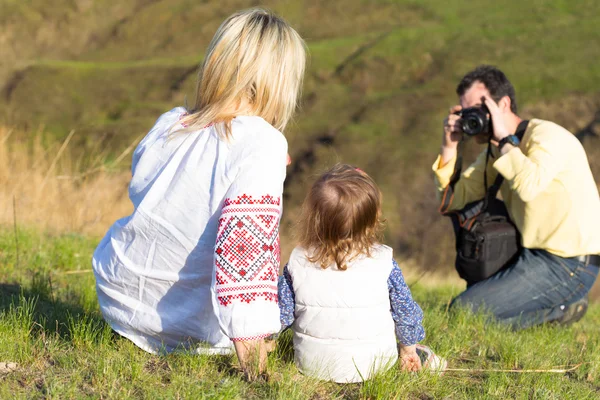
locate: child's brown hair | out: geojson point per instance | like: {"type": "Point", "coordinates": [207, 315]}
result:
{"type": "Point", "coordinates": [341, 216]}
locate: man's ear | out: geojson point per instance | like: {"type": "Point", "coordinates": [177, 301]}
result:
{"type": "Point", "coordinates": [504, 104]}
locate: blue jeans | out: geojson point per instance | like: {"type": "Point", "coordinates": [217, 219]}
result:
{"type": "Point", "coordinates": [535, 289]}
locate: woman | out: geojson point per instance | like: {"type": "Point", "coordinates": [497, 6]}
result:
{"type": "Point", "coordinates": [195, 266]}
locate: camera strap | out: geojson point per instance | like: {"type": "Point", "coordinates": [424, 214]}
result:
{"type": "Point", "coordinates": [492, 191]}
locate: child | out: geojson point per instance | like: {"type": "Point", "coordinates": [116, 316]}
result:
{"type": "Point", "coordinates": [342, 291]}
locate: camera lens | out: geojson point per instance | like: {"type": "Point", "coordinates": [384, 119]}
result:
{"type": "Point", "coordinates": [475, 120]}
{"type": "Point", "coordinates": [472, 125]}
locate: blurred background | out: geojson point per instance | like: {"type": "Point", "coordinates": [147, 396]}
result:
{"type": "Point", "coordinates": [81, 82]}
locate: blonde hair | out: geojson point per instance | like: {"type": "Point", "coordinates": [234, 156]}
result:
{"type": "Point", "coordinates": [254, 65]}
{"type": "Point", "coordinates": [341, 217]}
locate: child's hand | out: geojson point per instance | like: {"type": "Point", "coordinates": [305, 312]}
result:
{"type": "Point", "coordinates": [409, 359]}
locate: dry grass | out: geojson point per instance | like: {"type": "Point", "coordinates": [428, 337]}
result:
{"type": "Point", "coordinates": [45, 188]}
{"type": "Point", "coordinates": [42, 186]}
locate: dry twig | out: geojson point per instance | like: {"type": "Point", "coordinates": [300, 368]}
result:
{"type": "Point", "coordinates": [16, 231]}
{"type": "Point", "coordinates": [60, 151]}
{"type": "Point", "coordinates": [81, 271]}
{"type": "Point", "coordinates": [518, 371]}
{"type": "Point", "coordinates": [117, 160]}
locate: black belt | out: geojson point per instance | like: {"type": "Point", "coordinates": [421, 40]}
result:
{"type": "Point", "coordinates": [590, 259]}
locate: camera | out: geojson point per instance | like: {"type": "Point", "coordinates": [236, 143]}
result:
{"type": "Point", "coordinates": [475, 120]}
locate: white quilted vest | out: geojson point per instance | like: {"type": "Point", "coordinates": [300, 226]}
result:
{"type": "Point", "coordinates": [343, 328]}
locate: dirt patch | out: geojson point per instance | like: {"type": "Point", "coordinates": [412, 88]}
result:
{"type": "Point", "coordinates": [8, 367]}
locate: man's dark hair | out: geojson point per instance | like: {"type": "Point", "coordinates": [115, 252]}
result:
{"type": "Point", "coordinates": [494, 80]}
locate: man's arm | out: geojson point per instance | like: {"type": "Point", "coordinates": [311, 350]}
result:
{"type": "Point", "coordinates": [529, 175]}
{"type": "Point", "coordinates": [547, 151]}
{"type": "Point", "coordinates": [470, 186]}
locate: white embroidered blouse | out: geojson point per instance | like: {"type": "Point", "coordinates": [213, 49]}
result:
{"type": "Point", "coordinates": [195, 266]}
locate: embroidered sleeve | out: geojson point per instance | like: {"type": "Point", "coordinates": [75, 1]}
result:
{"type": "Point", "coordinates": [287, 299]}
{"type": "Point", "coordinates": [406, 313]}
{"type": "Point", "coordinates": [246, 258]}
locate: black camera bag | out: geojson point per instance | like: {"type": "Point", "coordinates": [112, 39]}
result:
{"type": "Point", "coordinates": [487, 241]}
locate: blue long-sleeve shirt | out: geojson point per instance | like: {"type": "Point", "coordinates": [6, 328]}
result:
{"type": "Point", "coordinates": [406, 313]}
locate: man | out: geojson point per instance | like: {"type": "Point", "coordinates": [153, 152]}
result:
{"type": "Point", "coordinates": [551, 197]}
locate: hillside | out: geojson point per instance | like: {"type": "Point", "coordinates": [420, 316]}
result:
{"type": "Point", "coordinates": [381, 76]}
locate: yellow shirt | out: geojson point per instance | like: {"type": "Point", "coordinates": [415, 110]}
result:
{"type": "Point", "coordinates": [548, 189]}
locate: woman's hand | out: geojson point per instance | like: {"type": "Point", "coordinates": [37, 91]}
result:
{"type": "Point", "coordinates": [253, 357]}
{"type": "Point", "coordinates": [409, 359]}
{"type": "Point", "coordinates": [270, 345]}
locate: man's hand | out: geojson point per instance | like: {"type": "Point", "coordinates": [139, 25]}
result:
{"type": "Point", "coordinates": [500, 130]}
{"type": "Point", "coordinates": [409, 359]}
{"type": "Point", "coordinates": [452, 135]}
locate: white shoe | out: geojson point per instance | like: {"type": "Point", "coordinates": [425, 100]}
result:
{"type": "Point", "coordinates": [435, 364]}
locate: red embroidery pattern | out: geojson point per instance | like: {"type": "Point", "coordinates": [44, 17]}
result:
{"type": "Point", "coordinates": [245, 199]}
{"type": "Point", "coordinates": [249, 338]}
{"type": "Point", "coordinates": [247, 297]}
{"type": "Point", "coordinates": [231, 289]}
{"type": "Point", "coordinates": [248, 210]}
{"type": "Point", "coordinates": [247, 250]}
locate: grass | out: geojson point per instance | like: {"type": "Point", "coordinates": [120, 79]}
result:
{"type": "Point", "coordinates": [51, 327]}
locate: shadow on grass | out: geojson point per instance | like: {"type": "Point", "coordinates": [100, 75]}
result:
{"type": "Point", "coordinates": [50, 316]}
{"type": "Point", "coordinates": [46, 314]}
{"type": "Point", "coordinates": [224, 364]}
{"type": "Point", "coordinates": [285, 347]}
